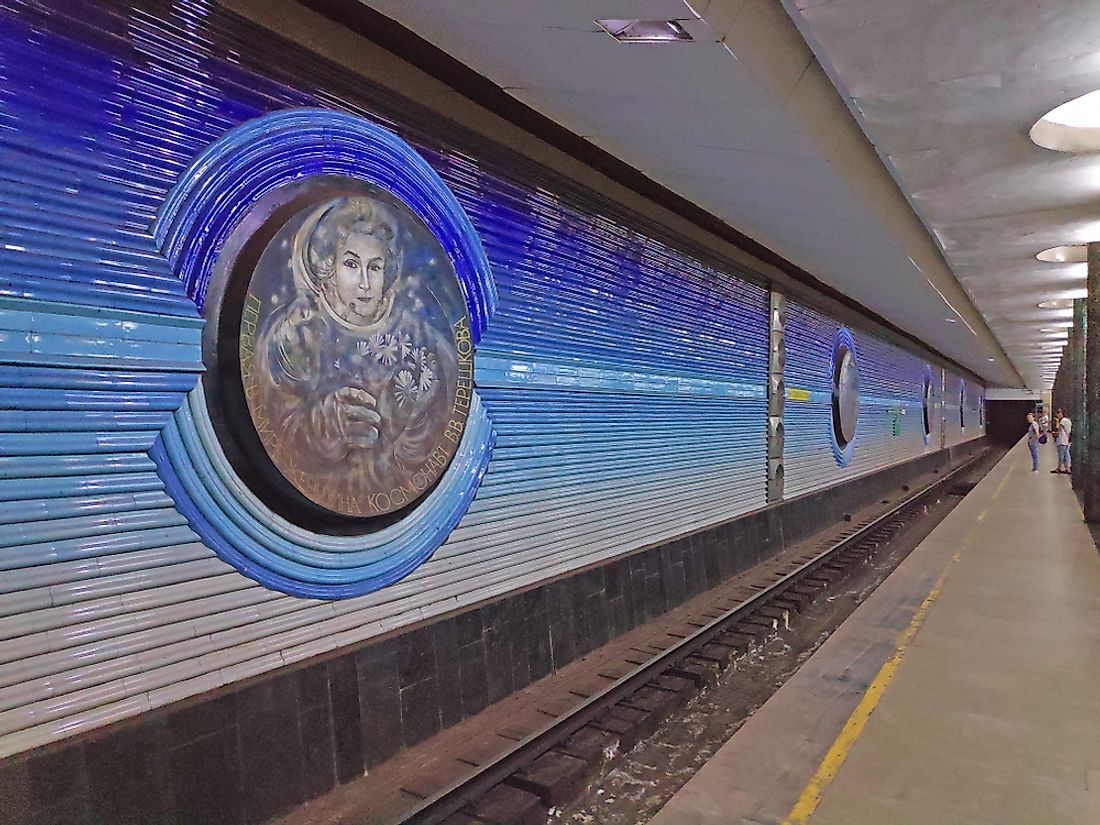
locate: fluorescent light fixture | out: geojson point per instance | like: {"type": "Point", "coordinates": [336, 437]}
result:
{"type": "Point", "coordinates": [645, 31]}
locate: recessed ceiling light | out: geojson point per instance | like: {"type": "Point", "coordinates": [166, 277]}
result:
{"type": "Point", "coordinates": [1081, 112]}
{"type": "Point", "coordinates": [988, 359]}
{"type": "Point", "coordinates": [952, 320]}
{"type": "Point", "coordinates": [1076, 270]}
{"type": "Point", "coordinates": [1071, 127]}
{"type": "Point", "coordinates": [645, 31]}
{"type": "Point", "coordinates": [1064, 300]}
{"type": "Point", "coordinates": [1071, 254]}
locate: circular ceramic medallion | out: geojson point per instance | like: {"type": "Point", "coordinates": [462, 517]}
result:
{"type": "Point", "coordinates": [355, 354]}
{"type": "Point", "coordinates": [845, 396]}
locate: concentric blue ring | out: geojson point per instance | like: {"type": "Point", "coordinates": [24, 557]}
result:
{"type": "Point", "coordinates": [199, 214]}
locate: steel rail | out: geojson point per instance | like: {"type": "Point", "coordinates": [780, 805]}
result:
{"type": "Point", "coordinates": [453, 799]}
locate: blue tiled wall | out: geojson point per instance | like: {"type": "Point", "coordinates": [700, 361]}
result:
{"type": "Point", "coordinates": [624, 372]}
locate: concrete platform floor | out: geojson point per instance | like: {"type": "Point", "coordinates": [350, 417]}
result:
{"type": "Point", "coordinates": [965, 689]}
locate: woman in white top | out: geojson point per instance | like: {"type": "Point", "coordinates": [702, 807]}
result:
{"type": "Point", "coordinates": [1062, 439]}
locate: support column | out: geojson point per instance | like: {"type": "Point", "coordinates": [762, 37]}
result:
{"type": "Point", "coordinates": [1075, 391]}
{"type": "Point", "coordinates": [1059, 399]}
{"type": "Point", "coordinates": [777, 360]}
{"type": "Point", "coordinates": [1090, 414]}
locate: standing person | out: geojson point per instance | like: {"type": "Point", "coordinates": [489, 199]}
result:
{"type": "Point", "coordinates": [1062, 440]}
{"type": "Point", "coordinates": [1033, 441]}
{"type": "Point", "coordinates": [1044, 422]}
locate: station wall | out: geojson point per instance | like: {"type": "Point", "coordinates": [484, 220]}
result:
{"type": "Point", "coordinates": [964, 409]}
{"type": "Point", "coordinates": [891, 426]}
{"type": "Point", "coordinates": [623, 370]}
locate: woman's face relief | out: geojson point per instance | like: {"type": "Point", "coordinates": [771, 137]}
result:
{"type": "Point", "coordinates": [359, 278]}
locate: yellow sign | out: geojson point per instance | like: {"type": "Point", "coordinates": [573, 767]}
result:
{"type": "Point", "coordinates": [797, 395]}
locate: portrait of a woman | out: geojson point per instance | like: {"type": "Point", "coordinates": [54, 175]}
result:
{"type": "Point", "coordinates": [355, 361]}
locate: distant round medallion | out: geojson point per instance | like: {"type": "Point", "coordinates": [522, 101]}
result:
{"type": "Point", "coordinates": [926, 402]}
{"type": "Point", "coordinates": [845, 396]}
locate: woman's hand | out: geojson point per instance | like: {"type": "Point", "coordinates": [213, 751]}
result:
{"type": "Point", "coordinates": [355, 416]}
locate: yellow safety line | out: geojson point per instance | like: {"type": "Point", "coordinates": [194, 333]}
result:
{"type": "Point", "coordinates": [1001, 486]}
{"type": "Point", "coordinates": [842, 745]}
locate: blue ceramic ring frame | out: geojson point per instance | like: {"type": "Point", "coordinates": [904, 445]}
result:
{"type": "Point", "coordinates": [199, 214]}
{"type": "Point", "coordinates": [843, 455]}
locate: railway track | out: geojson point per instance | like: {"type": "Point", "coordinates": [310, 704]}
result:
{"type": "Point", "coordinates": [695, 659]}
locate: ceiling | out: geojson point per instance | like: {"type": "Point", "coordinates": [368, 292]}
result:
{"type": "Point", "coordinates": [947, 90]}
{"type": "Point", "coordinates": [737, 123]}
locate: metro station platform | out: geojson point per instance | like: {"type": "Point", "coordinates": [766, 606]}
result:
{"type": "Point", "coordinates": [966, 689]}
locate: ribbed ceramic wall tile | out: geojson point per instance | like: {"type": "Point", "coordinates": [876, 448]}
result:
{"type": "Point", "coordinates": [624, 371]}
{"type": "Point", "coordinates": [891, 421]}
